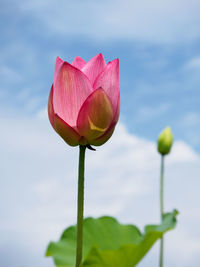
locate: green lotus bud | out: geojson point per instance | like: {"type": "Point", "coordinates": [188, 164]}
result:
{"type": "Point", "coordinates": [165, 141]}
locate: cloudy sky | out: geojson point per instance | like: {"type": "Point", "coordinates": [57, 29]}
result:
{"type": "Point", "coordinates": [158, 45]}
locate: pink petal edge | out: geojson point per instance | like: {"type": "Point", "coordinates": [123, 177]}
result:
{"type": "Point", "coordinates": [51, 113]}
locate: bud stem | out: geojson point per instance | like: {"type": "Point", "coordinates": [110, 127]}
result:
{"type": "Point", "coordinates": [79, 240]}
{"type": "Point", "coordinates": [161, 206]}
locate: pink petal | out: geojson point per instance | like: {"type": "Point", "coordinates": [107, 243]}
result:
{"type": "Point", "coordinates": [95, 115]}
{"type": "Point", "coordinates": [104, 138]}
{"type": "Point", "coordinates": [78, 62]}
{"type": "Point", "coordinates": [116, 116]}
{"type": "Point", "coordinates": [70, 136]}
{"type": "Point", "coordinates": [109, 81]}
{"type": "Point", "coordinates": [71, 89]}
{"type": "Point", "coordinates": [59, 63]}
{"type": "Point", "coordinates": [94, 67]}
{"type": "Point", "coordinates": [51, 113]}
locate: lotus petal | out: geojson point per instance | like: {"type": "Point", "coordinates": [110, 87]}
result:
{"type": "Point", "coordinates": [78, 62]}
{"type": "Point", "coordinates": [95, 115]}
{"type": "Point", "coordinates": [94, 67]}
{"type": "Point", "coordinates": [108, 79]}
{"type": "Point", "coordinates": [71, 89]}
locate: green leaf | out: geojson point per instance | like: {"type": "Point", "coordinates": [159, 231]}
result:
{"type": "Point", "coordinates": [107, 243]}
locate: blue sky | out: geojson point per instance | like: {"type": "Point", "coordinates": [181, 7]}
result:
{"type": "Point", "coordinates": [158, 45]}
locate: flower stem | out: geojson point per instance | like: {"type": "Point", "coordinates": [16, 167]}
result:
{"type": "Point", "coordinates": [161, 207]}
{"type": "Point", "coordinates": [79, 240]}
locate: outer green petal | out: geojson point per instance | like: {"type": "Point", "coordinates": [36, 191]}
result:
{"type": "Point", "coordinates": [95, 116]}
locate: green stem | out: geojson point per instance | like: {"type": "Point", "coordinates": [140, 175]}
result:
{"type": "Point", "coordinates": [79, 240]}
{"type": "Point", "coordinates": [161, 207]}
{"type": "Point", "coordinates": [162, 187]}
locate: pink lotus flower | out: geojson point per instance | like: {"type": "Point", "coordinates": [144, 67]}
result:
{"type": "Point", "coordinates": [84, 101]}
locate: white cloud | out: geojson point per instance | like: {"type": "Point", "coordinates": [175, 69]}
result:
{"type": "Point", "coordinates": [39, 183]}
{"type": "Point", "coordinates": [152, 21]}
{"type": "Point", "coordinates": [181, 153]}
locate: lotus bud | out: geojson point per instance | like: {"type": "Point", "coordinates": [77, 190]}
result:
{"type": "Point", "coordinates": [165, 141]}
{"type": "Point", "coordinates": [84, 101]}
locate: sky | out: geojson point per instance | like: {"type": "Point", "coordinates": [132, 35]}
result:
{"type": "Point", "coordinates": [158, 46]}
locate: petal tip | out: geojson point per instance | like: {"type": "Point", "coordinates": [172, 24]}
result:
{"type": "Point", "coordinates": [58, 58]}
{"type": "Point", "coordinates": [115, 61]}
{"type": "Point", "coordinates": [100, 55]}
{"type": "Point", "coordinates": [78, 62]}
{"type": "Point", "coordinates": [59, 61]}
